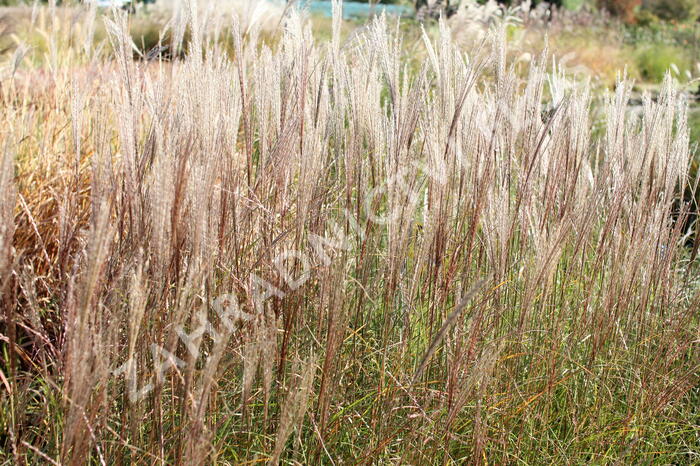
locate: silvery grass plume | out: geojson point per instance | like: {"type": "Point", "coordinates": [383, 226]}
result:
{"type": "Point", "coordinates": [264, 14]}
{"type": "Point", "coordinates": [7, 224]}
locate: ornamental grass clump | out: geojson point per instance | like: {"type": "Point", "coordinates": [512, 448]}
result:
{"type": "Point", "coordinates": [303, 251]}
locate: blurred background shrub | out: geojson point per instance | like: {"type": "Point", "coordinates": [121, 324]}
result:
{"type": "Point", "coordinates": [672, 10]}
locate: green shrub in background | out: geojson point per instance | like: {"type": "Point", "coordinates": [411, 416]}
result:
{"type": "Point", "coordinates": [694, 123]}
{"type": "Point", "coordinates": [652, 62]}
{"type": "Point", "coordinates": [675, 10]}
{"type": "Point", "coordinates": [647, 19]}
{"type": "Point", "coordinates": [573, 5]}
